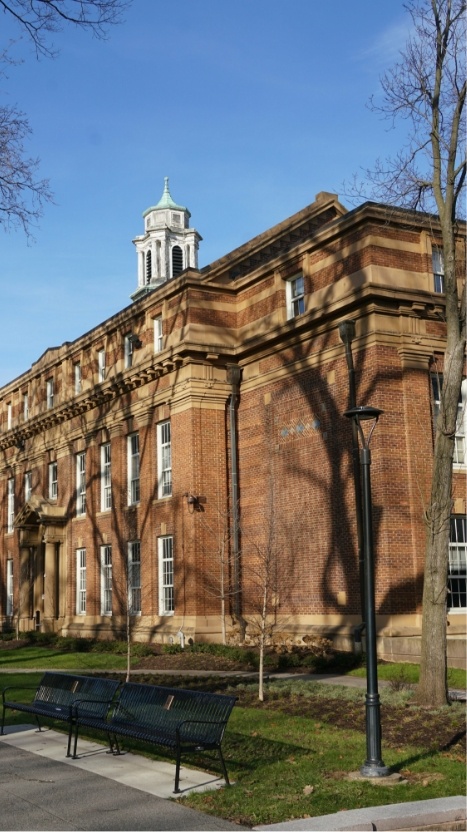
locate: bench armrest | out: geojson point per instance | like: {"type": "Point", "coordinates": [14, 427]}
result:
{"type": "Point", "coordinates": [78, 702]}
{"type": "Point", "coordinates": [219, 723]}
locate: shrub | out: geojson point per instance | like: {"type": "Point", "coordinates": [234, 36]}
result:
{"type": "Point", "coordinates": [39, 638]}
{"type": "Point", "coordinates": [73, 644]}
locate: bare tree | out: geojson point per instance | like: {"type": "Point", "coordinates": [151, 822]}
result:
{"type": "Point", "coordinates": [23, 193]}
{"type": "Point", "coordinates": [427, 89]}
{"type": "Point", "coordinates": [38, 19]}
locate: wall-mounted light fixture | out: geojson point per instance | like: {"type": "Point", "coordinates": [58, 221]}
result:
{"type": "Point", "coordinates": [20, 444]}
{"type": "Point", "coordinates": [194, 503]}
{"type": "Point", "coordinates": [135, 341]}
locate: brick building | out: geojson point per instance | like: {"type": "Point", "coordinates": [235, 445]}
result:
{"type": "Point", "coordinates": [164, 463]}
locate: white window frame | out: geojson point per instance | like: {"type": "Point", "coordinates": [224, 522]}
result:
{"type": "Point", "coordinates": [25, 407]}
{"type": "Point", "coordinates": [457, 573]}
{"type": "Point", "coordinates": [134, 493]}
{"type": "Point", "coordinates": [9, 588]}
{"type": "Point", "coordinates": [166, 575]}
{"type": "Point", "coordinates": [460, 444]}
{"type": "Point", "coordinates": [9, 416]}
{"type": "Point", "coordinates": [53, 480]}
{"type": "Point", "coordinates": [50, 393]}
{"type": "Point", "coordinates": [77, 377]}
{"type": "Point", "coordinates": [81, 582]}
{"type": "Point", "coordinates": [438, 270]}
{"type": "Point", "coordinates": [158, 335]}
{"type": "Point", "coordinates": [128, 350]}
{"type": "Point", "coordinates": [27, 486]}
{"type": "Point", "coordinates": [295, 296]}
{"type": "Point", "coordinates": [134, 577]}
{"type": "Point", "coordinates": [101, 365]}
{"type": "Point", "coordinates": [164, 459]}
{"type": "Point", "coordinates": [81, 483]}
{"type": "Point", "coordinates": [106, 580]}
{"type": "Point", "coordinates": [106, 477]}
{"type": "Point", "coordinates": [10, 504]}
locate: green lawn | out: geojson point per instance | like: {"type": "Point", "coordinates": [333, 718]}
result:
{"type": "Point", "coordinates": [410, 672]}
{"type": "Point", "coordinates": [45, 658]}
{"type": "Point", "coordinates": [285, 766]}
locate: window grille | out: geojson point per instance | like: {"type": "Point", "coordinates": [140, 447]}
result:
{"type": "Point", "coordinates": [53, 480]}
{"type": "Point", "coordinates": [106, 477]}
{"type": "Point", "coordinates": [134, 577]}
{"type": "Point", "coordinates": [81, 581]}
{"type": "Point", "coordinates": [9, 587]}
{"type": "Point", "coordinates": [81, 483]}
{"type": "Point", "coordinates": [10, 504]}
{"type": "Point", "coordinates": [50, 393]}
{"type": "Point", "coordinates": [295, 296]}
{"type": "Point", "coordinates": [166, 576]}
{"type": "Point", "coordinates": [459, 457]}
{"type": "Point", "coordinates": [106, 580]}
{"type": "Point", "coordinates": [164, 459]}
{"type": "Point", "coordinates": [158, 337]}
{"type": "Point", "coordinates": [148, 267]}
{"type": "Point", "coordinates": [457, 575]}
{"type": "Point", "coordinates": [438, 270]}
{"type": "Point", "coordinates": [133, 469]}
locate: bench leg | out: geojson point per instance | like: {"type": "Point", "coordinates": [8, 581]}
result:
{"type": "Point", "coordinates": [70, 735]}
{"type": "Point", "coordinates": [177, 770]}
{"type": "Point", "coordinates": [113, 743]}
{"type": "Point", "coordinates": [3, 721]}
{"type": "Point", "coordinates": [224, 768]}
{"type": "Point", "coordinates": [38, 723]}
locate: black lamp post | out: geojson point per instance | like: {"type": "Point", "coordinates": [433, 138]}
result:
{"type": "Point", "coordinates": [347, 335]}
{"type": "Point", "coordinates": [373, 765]}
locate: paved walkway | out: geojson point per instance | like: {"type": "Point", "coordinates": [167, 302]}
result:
{"type": "Point", "coordinates": [102, 792]}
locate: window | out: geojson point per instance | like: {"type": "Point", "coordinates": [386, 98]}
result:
{"type": "Point", "coordinates": [295, 296]}
{"type": "Point", "coordinates": [81, 483]}
{"type": "Point", "coordinates": [158, 338]}
{"type": "Point", "coordinates": [9, 416]}
{"type": "Point", "coordinates": [25, 407]}
{"type": "Point", "coordinates": [166, 576]}
{"type": "Point", "coordinates": [133, 469]}
{"type": "Point", "coordinates": [177, 261]}
{"type": "Point", "coordinates": [101, 365]}
{"type": "Point", "coordinates": [10, 504]}
{"type": "Point", "coordinates": [134, 577]}
{"type": "Point", "coordinates": [106, 478]}
{"type": "Point", "coordinates": [77, 377]}
{"type": "Point", "coordinates": [50, 393]}
{"type": "Point", "coordinates": [53, 480]}
{"type": "Point", "coordinates": [106, 580]}
{"type": "Point", "coordinates": [459, 457]}
{"type": "Point", "coordinates": [457, 575]}
{"type": "Point", "coordinates": [27, 486]}
{"type": "Point", "coordinates": [81, 581]}
{"type": "Point", "coordinates": [164, 460]}
{"type": "Point", "coordinates": [128, 351]}
{"type": "Point", "coordinates": [9, 587]}
{"type": "Point", "coordinates": [438, 270]}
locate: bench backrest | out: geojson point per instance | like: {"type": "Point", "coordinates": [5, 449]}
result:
{"type": "Point", "coordinates": [63, 689]}
{"type": "Point", "coordinates": [154, 706]}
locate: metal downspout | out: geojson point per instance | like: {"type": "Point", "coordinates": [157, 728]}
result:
{"type": "Point", "coordinates": [234, 374]}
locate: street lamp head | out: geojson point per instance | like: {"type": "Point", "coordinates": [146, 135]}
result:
{"type": "Point", "coordinates": [347, 331]}
{"type": "Point", "coordinates": [363, 413]}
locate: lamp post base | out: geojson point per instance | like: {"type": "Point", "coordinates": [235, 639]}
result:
{"type": "Point", "coordinates": [370, 769]}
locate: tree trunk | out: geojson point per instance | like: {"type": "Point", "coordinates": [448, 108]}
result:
{"type": "Point", "coordinates": [432, 688]}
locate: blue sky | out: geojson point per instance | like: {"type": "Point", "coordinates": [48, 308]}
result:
{"type": "Point", "coordinates": [251, 108]}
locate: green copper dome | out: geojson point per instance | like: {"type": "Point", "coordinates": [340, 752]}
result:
{"type": "Point", "coordinates": [166, 201]}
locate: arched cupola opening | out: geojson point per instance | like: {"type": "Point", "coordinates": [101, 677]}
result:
{"type": "Point", "coordinates": [177, 261]}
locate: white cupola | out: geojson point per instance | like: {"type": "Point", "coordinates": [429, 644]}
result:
{"type": "Point", "coordinates": [168, 245]}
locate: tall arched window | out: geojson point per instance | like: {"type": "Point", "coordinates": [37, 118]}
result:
{"type": "Point", "coordinates": [148, 267]}
{"type": "Point", "coordinates": [177, 261]}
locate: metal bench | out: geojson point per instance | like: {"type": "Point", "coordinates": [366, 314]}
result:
{"type": "Point", "coordinates": [184, 720]}
{"type": "Point", "coordinates": [57, 696]}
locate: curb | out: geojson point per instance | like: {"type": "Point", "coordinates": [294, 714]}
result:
{"type": "Point", "coordinates": [438, 813]}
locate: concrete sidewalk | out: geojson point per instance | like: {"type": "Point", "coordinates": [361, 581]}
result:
{"type": "Point", "coordinates": [101, 792]}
